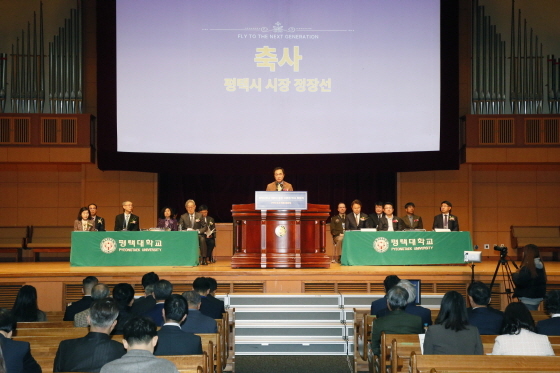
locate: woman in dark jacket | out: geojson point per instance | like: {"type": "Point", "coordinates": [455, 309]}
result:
{"type": "Point", "coordinates": [25, 306]}
{"type": "Point", "coordinates": [530, 279]}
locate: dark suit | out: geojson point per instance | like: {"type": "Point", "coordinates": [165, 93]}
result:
{"type": "Point", "coordinates": [210, 241]}
{"type": "Point", "coordinates": [133, 223]}
{"type": "Point", "coordinates": [373, 220]}
{"type": "Point", "coordinates": [76, 307]}
{"type": "Point", "coordinates": [413, 309]}
{"type": "Point", "coordinates": [198, 323]}
{"type": "Point", "coordinates": [452, 222]}
{"type": "Point", "coordinates": [351, 222]}
{"type": "Point", "coordinates": [486, 319]}
{"type": "Point", "coordinates": [549, 326]}
{"type": "Point", "coordinates": [416, 222]}
{"type": "Point", "coordinates": [395, 322]}
{"type": "Point", "coordinates": [197, 224]}
{"type": "Point", "coordinates": [398, 224]}
{"type": "Point", "coordinates": [155, 314]}
{"type": "Point", "coordinates": [87, 354]}
{"type": "Point", "coordinates": [442, 341]}
{"type": "Point", "coordinates": [212, 307]}
{"type": "Point", "coordinates": [99, 224]}
{"type": "Point", "coordinates": [143, 305]}
{"type": "Point", "coordinates": [378, 305]}
{"type": "Point", "coordinates": [17, 355]}
{"type": "Point", "coordinates": [173, 341]}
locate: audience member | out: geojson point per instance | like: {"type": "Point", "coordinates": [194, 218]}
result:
{"type": "Point", "coordinates": [218, 304]}
{"type": "Point", "coordinates": [25, 306]}
{"type": "Point", "coordinates": [17, 354]}
{"type": "Point", "coordinates": [518, 334]}
{"type": "Point", "coordinates": [162, 290]}
{"type": "Point", "coordinates": [166, 220]}
{"type": "Point", "coordinates": [452, 334]}
{"type": "Point", "coordinates": [390, 222]}
{"type": "Point", "coordinates": [127, 221]}
{"type": "Point", "coordinates": [139, 339]}
{"type": "Point", "coordinates": [411, 307]}
{"type": "Point", "coordinates": [73, 308]}
{"type": "Point", "coordinates": [279, 184]}
{"type": "Point", "coordinates": [123, 294]}
{"type": "Point", "coordinates": [411, 221]}
{"type": "Point", "coordinates": [90, 353]}
{"type": "Point", "coordinates": [147, 302]}
{"type": "Point", "coordinates": [98, 292]}
{"type": "Point", "coordinates": [374, 219]}
{"type": "Point", "coordinates": [209, 305]}
{"type": "Point", "coordinates": [196, 322]}
{"type": "Point", "coordinates": [98, 221]}
{"type": "Point", "coordinates": [357, 219]}
{"type": "Point", "coordinates": [530, 279]}
{"type": "Point", "coordinates": [338, 222]}
{"type": "Point", "coordinates": [193, 220]}
{"type": "Point", "coordinates": [381, 303]}
{"type": "Point", "coordinates": [209, 234]}
{"type": "Point", "coordinates": [397, 321]}
{"type": "Point", "coordinates": [83, 222]}
{"type": "Point", "coordinates": [487, 319]}
{"type": "Point", "coordinates": [171, 339]}
{"type": "Point", "coordinates": [445, 220]}
{"type": "Point", "coordinates": [552, 307]}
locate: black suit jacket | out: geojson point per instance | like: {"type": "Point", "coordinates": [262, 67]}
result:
{"type": "Point", "coordinates": [373, 220]}
{"type": "Point", "coordinates": [384, 224]}
{"type": "Point", "coordinates": [87, 354]}
{"type": "Point", "coordinates": [486, 319]}
{"type": "Point", "coordinates": [133, 223]}
{"type": "Point", "coordinates": [99, 224]}
{"type": "Point", "coordinates": [549, 326]}
{"type": "Point", "coordinates": [155, 314]}
{"type": "Point", "coordinates": [351, 222]}
{"type": "Point", "coordinates": [212, 307]}
{"type": "Point", "coordinates": [173, 341]}
{"type": "Point", "coordinates": [76, 307]}
{"type": "Point", "coordinates": [17, 355]}
{"type": "Point", "coordinates": [143, 305]}
{"type": "Point", "coordinates": [452, 223]}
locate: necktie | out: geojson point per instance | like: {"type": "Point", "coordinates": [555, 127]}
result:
{"type": "Point", "coordinates": [279, 187]}
{"type": "Point", "coordinates": [445, 221]}
{"type": "Point", "coordinates": [126, 221]}
{"type": "Point", "coordinates": [192, 221]}
{"type": "Point", "coordinates": [411, 221]}
{"type": "Point", "coordinates": [357, 220]}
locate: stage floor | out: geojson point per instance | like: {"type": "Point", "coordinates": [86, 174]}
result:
{"type": "Point", "coordinates": [57, 282]}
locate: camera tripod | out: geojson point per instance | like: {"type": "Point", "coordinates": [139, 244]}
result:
{"type": "Point", "coordinates": [503, 264]}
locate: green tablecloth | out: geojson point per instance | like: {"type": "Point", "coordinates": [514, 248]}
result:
{"type": "Point", "coordinates": [404, 248]}
{"type": "Point", "coordinates": [146, 248]}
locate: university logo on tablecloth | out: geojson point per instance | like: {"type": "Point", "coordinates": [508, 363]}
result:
{"type": "Point", "coordinates": [381, 244]}
{"type": "Point", "coordinates": [108, 245]}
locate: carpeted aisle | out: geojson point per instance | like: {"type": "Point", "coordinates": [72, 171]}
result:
{"type": "Point", "coordinates": [291, 364]}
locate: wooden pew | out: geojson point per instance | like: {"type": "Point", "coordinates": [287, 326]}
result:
{"type": "Point", "coordinates": [362, 335]}
{"type": "Point", "coordinates": [483, 363]}
{"type": "Point", "coordinates": [48, 240]}
{"type": "Point", "coordinates": [189, 363]}
{"type": "Point", "coordinates": [45, 324]}
{"type": "Point", "coordinates": [12, 240]}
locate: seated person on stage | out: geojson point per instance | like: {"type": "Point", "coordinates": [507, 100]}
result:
{"type": "Point", "coordinates": [411, 307]}
{"type": "Point", "coordinates": [147, 302]}
{"type": "Point", "coordinates": [381, 303]}
{"type": "Point", "coordinates": [193, 220]}
{"type": "Point", "coordinates": [98, 292]}
{"type": "Point", "coordinates": [390, 222]}
{"type": "Point", "coordinates": [123, 294]}
{"type": "Point", "coordinates": [411, 221]}
{"type": "Point", "coordinates": [127, 221]}
{"type": "Point", "coordinates": [140, 338]}
{"type": "Point", "coordinates": [552, 307]}
{"type": "Point", "coordinates": [171, 339]}
{"type": "Point", "coordinates": [196, 321]}
{"type": "Point", "coordinates": [451, 334]}
{"type": "Point", "coordinates": [90, 353]}
{"type": "Point", "coordinates": [98, 221]}
{"type": "Point", "coordinates": [17, 354]}
{"type": "Point", "coordinates": [166, 220]}
{"type": "Point", "coordinates": [338, 222]}
{"type": "Point", "coordinates": [397, 321]}
{"type": "Point", "coordinates": [279, 184]}
{"type": "Point", "coordinates": [219, 304]}
{"type": "Point", "coordinates": [374, 219]}
{"type": "Point", "coordinates": [162, 290]}
{"type": "Point", "coordinates": [210, 306]}
{"type": "Point", "coordinates": [518, 334]}
{"type": "Point", "coordinates": [83, 304]}
{"type": "Point", "coordinates": [487, 319]}
{"type": "Point", "coordinates": [445, 220]}
{"type": "Point", "coordinates": [209, 234]}
{"type": "Point", "coordinates": [357, 219]}
{"type": "Point", "coordinates": [83, 222]}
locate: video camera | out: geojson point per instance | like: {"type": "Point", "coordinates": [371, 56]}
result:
{"type": "Point", "coordinates": [502, 249]}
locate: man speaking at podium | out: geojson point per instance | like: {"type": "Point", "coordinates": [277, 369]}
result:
{"type": "Point", "coordinates": [279, 184]}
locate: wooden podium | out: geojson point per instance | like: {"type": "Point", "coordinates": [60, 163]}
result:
{"type": "Point", "coordinates": [280, 238]}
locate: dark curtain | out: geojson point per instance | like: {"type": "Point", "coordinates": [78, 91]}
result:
{"type": "Point", "coordinates": [219, 192]}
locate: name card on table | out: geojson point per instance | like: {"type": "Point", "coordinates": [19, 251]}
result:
{"type": "Point", "coordinates": [280, 200]}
